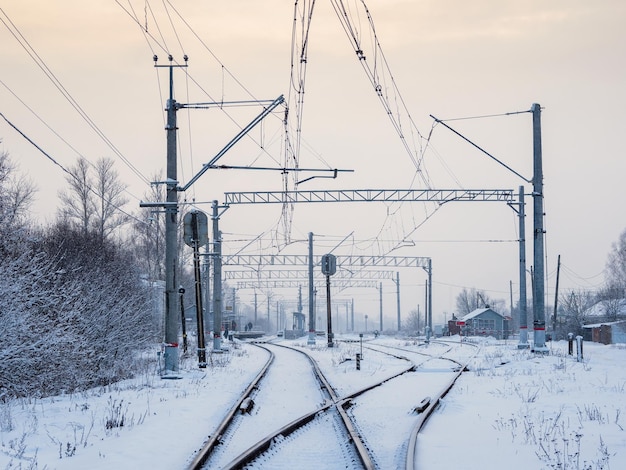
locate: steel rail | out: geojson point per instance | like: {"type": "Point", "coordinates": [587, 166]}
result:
{"type": "Point", "coordinates": [335, 401]}
{"type": "Point", "coordinates": [411, 453]}
{"type": "Point", "coordinates": [340, 403]}
{"type": "Point", "coordinates": [205, 452]}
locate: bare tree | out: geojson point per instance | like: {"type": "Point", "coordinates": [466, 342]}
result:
{"type": "Point", "coordinates": [77, 202]}
{"type": "Point", "coordinates": [16, 192]}
{"type": "Point", "coordinates": [148, 235]}
{"type": "Point", "coordinates": [93, 198]}
{"type": "Point", "coordinates": [413, 324]}
{"type": "Point", "coordinates": [612, 300]}
{"type": "Point", "coordinates": [575, 307]}
{"type": "Point", "coordinates": [616, 264]}
{"type": "Point", "coordinates": [469, 300]}
{"type": "Point", "coordinates": [109, 198]}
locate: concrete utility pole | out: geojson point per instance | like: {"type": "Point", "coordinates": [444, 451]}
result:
{"type": "Point", "coordinates": [207, 287]}
{"type": "Point", "coordinates": [171, 246]}
{"type": "Point", "coordinates": [312, 326]}
{"type": "Point", "coordinates": [539, 313]}
{"type": "Point", "coordinates": [380, 305]}
{"type": "Point", "coordinates": [397, 281]}
{"type": "Point", "coordinates": [352, 317]}
{"type": "Point", "coordinates": [255, 309]}
{"type": "Point", "coordinates": [269, 299]}
{"type": "Point", "coordinates": [523, 311]}
{"type": "Point", "coordinates": [425, 304]}
{"type": "Point", "coordinates": [217, 280]}
{"type": "Point", "coordinates": [538, 278]}
{"type": "Point", "coordinates": [430, 294]}
{"type": "Point", "coordinates": [556, 297]}
{"type": "Point", "coordinates": [171, 365]}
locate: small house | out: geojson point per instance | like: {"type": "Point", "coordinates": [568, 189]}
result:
{"type": "Point", "coordinates": [485, 322]}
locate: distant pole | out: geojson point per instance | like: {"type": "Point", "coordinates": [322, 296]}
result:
{"type": "Point", "coordinates": [539, 313]}
{"type": "Point", "coordinates": [235, 316]}
{"type": "Point", "coordinates": [311, 339]}
{"type": "Point", "coordinates": [380, 301]}
{"type": "Point", "coordinates": [398, 298]}
{"type": "Point", "coordinates": [556, 296]}
{"type": "Point", "coordinates": [207, 287]}
{"type": "Point", "coordinates": [352, 316]}
{"type": "Point", "coordinates": [430, 294]}
{"type": "Point", "coordinates": [511, 296]}
{"type": "Point", "coordinates": [255, 309]}
{"type": "Point", "coordinates": [217, 280]}
{"type": "Point", "coordinates": [523, 310]}
{"type": "Point", "coordinates": [425, 304]}
{"type": "Point", "coordinates": [418, 318]}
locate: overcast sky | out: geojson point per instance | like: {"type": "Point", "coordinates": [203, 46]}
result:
{"type": "Point", "coordinates": [449, 58]}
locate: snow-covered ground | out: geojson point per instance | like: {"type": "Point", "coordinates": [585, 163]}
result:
{"type": "Point", "coordinates": [512, 410]}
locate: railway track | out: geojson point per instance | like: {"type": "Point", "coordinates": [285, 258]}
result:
{"type": "Point", "coordinates": [259, 441]}
{"type": "Point", "coordinates": [437, 367]}
{"type": "Point", "coordinates": [338, 417]}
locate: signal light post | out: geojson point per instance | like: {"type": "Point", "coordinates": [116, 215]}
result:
{"type": "Point", "coordinates": [329, 267]}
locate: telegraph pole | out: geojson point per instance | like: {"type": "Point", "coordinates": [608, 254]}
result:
{"type": "Point", "coordinates": [430, 294]}
{"type": "Point", "coordinates": [255, 308]}
{"type": "Point", "coordinates": [539, 313]}
{"type": "Point", "coordinates": [311, 339]}
{"type": "Point", "coordinates": [171, 366]}
{"type": "Point", "coordinates": [352, 317]}
{"type": "Point", "coordinates": [398, 298]}
{"type": "Point", "coordinates": [523, 312]}
{"type": "Point", "coordinates": [380, 305]}
{"type": "Point", "coordinates": [556, 297]}
{"type": "Point", "coordinates": [217, 280]}
{"type": "Point", "coordinates": [171, 249]}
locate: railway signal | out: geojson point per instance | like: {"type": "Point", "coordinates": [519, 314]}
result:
{"type": "Point", "coordinates": [196, 233]}
{"type": "Point", "coordinates": [329, 267]}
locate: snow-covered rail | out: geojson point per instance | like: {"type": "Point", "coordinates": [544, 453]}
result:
{"type": "Point", "coordinates": [429, 406]}
{"type": "Point", "coordinates": [407, 400]}
{"type": "Point", "coordinates": [204, 453]}
{"type": "Point", "coordinates": [315, 402]}
{"type": "Point", "coordinates": [275, 446]}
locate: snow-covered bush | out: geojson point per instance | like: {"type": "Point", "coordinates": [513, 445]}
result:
{"type": "Point", "coordinates": [73, 313]}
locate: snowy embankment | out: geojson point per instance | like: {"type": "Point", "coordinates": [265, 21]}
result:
{"type": "Point", "coordinates": [519, 410]}
{"type": "Point", "coordinates": [512, 410]}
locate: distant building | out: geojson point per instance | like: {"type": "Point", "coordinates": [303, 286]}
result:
{"type": "Point", "coordinates": [606, 333]}
{"type": "Point", "coordinates": [482, 322]}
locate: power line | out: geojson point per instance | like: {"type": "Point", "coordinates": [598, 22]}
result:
{"type": "Point", "coordinates": [52, 130]}
{"type": "Point", "coordinates": [22, 41]}
{"type": "Point", "coordinates": [485, 116]}
{"type": "Point", "coordinates": [377, 74]}
{"type": "Point", "coordinates": [65, 170]}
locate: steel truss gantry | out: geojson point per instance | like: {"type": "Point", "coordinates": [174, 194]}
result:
{"type": "Point", "coordinates": [440, 196]}
{"type": "Point", "coordinates": [343, 262]}
{"type": "Point", "coordinates": [369, 195]}
{"type": "Point", "coordinates": [294, 283]}
{"type": "Point", "coordinates": [300, 275]}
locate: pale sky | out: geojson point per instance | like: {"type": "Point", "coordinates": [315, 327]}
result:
{"type": "Point", "coordinates": [448, 58]}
